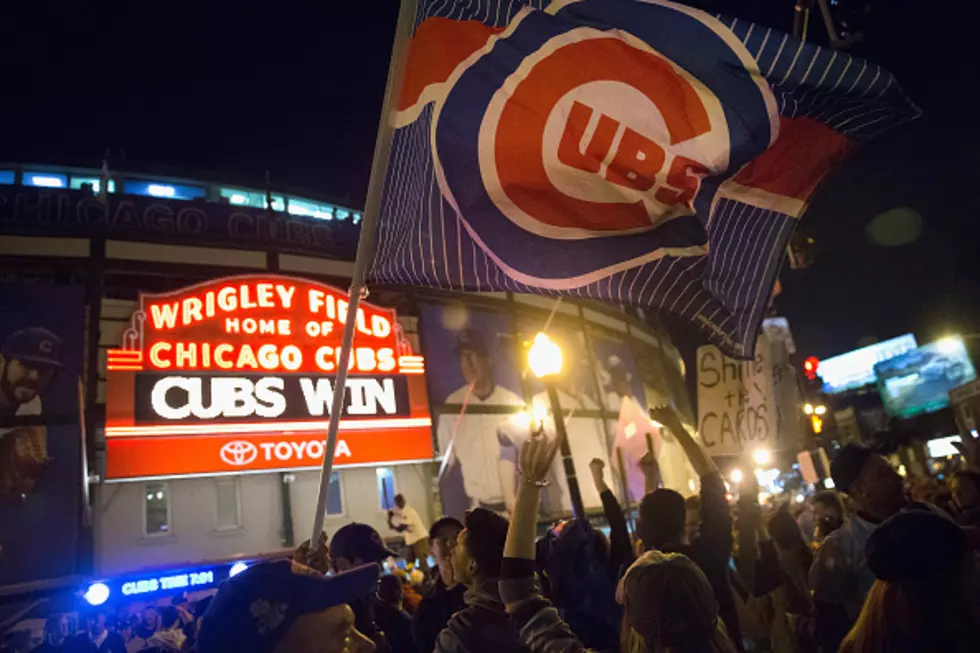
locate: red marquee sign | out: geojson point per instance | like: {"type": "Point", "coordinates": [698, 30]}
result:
{"type": "Point", "coordinates": [237, 375]}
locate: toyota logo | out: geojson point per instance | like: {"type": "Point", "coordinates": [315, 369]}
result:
{"type": "Point", "coordinates": [239, 452]}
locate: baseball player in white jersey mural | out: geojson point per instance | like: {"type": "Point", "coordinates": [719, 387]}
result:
{"type": "Point", "coordinates": [476, 447]}
{"type": "Point", "coordinates": [29, 359]}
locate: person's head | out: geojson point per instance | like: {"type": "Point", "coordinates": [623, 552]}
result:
{"type": "Point", "coordinates": [786, 533]}
{"type": "Point", "coordinates": [924, 596]}
{"type": "Point", "coordinates": [151, 618]}
{"type": "Point", "coordinates": [283, 607]}
{"type": "Point", "coordinates": [390, 591]}
{"type": "Point", "coordinates": [479, 547]}
{"type": "Point", "coordinates": [873, 485]}
{"type": "Point", "coordinates": [692, 517]}
{"type": "Point", "coordinates": [662, 519]}
{"type": "Point", "coordinates": [474, 358]}
{"type": "Point", "coordinates": [670, 605]}
{"type": "Point", "coordinates": [169, 618]}
{"type": "Point", "coordinates": [828, 513]}
{"type": "Point", "coordinates": [356, 544]}
{"type": "Point", "coordinates": [28, 360]}
{"type": "Point", "coordinates": [56, 628]}
{"type": "Point", "coordinates": [442, 541]}
{"type": "Point", "coordinates": [966, 489]}
{"type": "Point", "coordinates": [400, 501]}
{"type": "Point", "coordinates": [95, 622]}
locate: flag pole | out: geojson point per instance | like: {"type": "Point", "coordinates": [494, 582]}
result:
{"type": "Point", "coordinates": [365, 245]}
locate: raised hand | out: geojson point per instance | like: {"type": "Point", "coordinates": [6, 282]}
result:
{"type": "Point", "coordinates": [598, 468]}
{"type": "Point", "coordinates": [700, 460]}
{"type": "Point", "coordinates": [318, 559]}
{"type": "Point", "coordinates": [537, 455]}
{"type": "Point", "coordinates": [666, 416]}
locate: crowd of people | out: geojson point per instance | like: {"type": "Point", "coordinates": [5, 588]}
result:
{"type": "Point", "coordinates": [881, 566]}
{"type": "Point", "coordinates": [169, 629]}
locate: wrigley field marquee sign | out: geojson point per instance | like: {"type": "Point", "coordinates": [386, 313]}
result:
{"type": "Point", "coordinates": [238, 375]}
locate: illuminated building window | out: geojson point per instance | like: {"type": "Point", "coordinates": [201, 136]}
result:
{"type": "Point", "coordinates": [242, 197]}
{"type": "Point", "coordinates": [311, 209]}
{"type": "Point", "coordinates": [76, 183]}
{"type": "Point", "coordinates": [45, 179]}
{"type": "Point", "coordinates": [164, 190]}
{"type": "Point", "coordinates": [6, 177]}
{"type": "Point", "coordinates": [386, 487]}
{"type": "Point", "coordinates": [156, 509]}
{"type": "Point", "coordinates": [229, 506]}
{"type": "Point", "coordinates": [335, 502]}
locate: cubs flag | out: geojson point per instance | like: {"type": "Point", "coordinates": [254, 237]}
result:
{"type": "Point", "coordinates": [643, 153]}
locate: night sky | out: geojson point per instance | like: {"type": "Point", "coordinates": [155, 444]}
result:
{"type": "Point", "coordinates": [229, 90]}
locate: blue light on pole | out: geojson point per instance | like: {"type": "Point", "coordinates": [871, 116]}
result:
{"type": "Point", "coordinates": [97, 594]}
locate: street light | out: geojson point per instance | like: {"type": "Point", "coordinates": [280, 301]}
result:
{"type": "Point", "coordinates": [808, 409]}
{"type": "Point", "coordinates": [545, 360]}
{"type": "Point", "coordinates": [736, 476]}
{"type": "Point", "coordinates": [950, 344]}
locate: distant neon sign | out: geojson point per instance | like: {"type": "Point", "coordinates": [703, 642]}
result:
{"type": "Point", "coordinates": [238, 359]}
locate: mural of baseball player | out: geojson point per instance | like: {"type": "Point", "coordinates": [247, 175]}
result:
{"type": "Point", "coordinates": [29, 360]}
{"type": "Point", "coordinates": [41, 348]}
{"type": "Point", "coordinates": [478, 371]}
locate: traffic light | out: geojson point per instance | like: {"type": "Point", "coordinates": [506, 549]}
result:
{"type": "Point", "coordinates": [810, 366]}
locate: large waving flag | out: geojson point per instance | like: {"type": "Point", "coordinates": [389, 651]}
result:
{"type": "Point", "coordinates": [645, 153]}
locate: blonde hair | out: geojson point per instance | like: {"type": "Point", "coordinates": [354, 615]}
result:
{"type": "Point", "coordinates": [670, 608]}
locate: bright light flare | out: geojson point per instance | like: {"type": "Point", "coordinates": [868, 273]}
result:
{"type": "Point", "coordinates": [950, 344]}
{"type": "Point", "coordinates": [736, 475]}
{"type": "Point", "coordinates": [545, 357]}
{"type": "Point", "coordinates": [96, 594]}
{"type": "Point", "coordinates": [762, 456]}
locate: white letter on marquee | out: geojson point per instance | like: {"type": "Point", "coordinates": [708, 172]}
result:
{"type": "Point", "coordinates": [158, 397]}
{"type": "Point", "coordinates": [319, 398]}
{"type": "Point", "coordinates": [270, 402]}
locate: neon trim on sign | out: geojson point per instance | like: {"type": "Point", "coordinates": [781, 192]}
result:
{"type": "Point", "coordinates": [264, 427]}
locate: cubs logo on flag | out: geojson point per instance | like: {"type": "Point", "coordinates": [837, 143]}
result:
{"type": "Point", "coordinates": [639, 152]}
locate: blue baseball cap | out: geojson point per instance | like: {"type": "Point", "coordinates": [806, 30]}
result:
{"type": "Point", "coordinates": [34, 345]}
{"type": "Point", "coordinates": [355, 540]}
{"type": "Point", "coordinates": [253, 611]}
{"type": "Point", "coordinates": [471, 340]}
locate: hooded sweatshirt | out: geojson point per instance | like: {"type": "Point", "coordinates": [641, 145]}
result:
{"type": "Point", "coordinates": [482, 626]}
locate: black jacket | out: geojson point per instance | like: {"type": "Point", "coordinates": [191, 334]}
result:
{"type": "Point", "coordinates": [434, 612]}
{"type": "Point", "coordinates": [481, 627]}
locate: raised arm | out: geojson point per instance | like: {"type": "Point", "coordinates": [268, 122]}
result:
{"type": "Point", "coordinates": [700, 460]}
{"type": "Point", "coordinates": [535, 617]}
{"type": "Point", "coordinates": [620, 548]}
